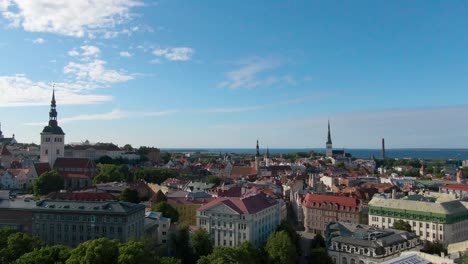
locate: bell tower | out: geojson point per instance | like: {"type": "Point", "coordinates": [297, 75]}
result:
{"type": "Point", "coordinates": [52, 137]}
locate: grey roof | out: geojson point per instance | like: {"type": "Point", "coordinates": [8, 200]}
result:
{"type": "Point", "coordinates": [367, 236]}
{"type": "Point", "coordinates": [95, 207]}
{"type": "Point", "coordinates": [407, 259]}
{"type": "Point", "coordinates": [449, 207]}
{"type": "Point", "coordinates": [55, 130]}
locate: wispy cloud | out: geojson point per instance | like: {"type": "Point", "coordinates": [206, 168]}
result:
{"type": "Point", "coordinates": [39, 41]}
{"type": "Point", "coordinates": [69, 18]}
{"type": "Point", "coordinates": [113, 115]}
{"type": "Point", "coordinates": [18, 90]}
{"type": "Point", "coordinates": [252, 74]}
{"type": "Point", "coordinates": [125, 54]}
{"type": "Point", "coordinates": [297, 100]}
{"type": "Point", "coordinates": [96, 72]}
{"type": "Point", "coordinates": [85, 52]}
{"type": "Point", "coordinates": [175, 54]}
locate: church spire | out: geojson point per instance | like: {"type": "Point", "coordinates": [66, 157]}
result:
{"type": "Point", "coordinates": [1, 133]}
{"type": "Point", "coordinates": [53, 111]}
{"type": "Point", "coordinates": [329, 141]}
{"type": "Point", "coordinates": [258, 150]}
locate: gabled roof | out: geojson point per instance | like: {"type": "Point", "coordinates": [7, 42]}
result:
{"type": "Point", "coordinates": [332, 199]}
{"type": "Point", "coordinates": [41, 167]}
{"type": "Point", "coordinates": [242, 171]}
{"type": "Point", "coordinates": [82, 196]}
{"type": "Point", "coordinates": [247, 205]}
{"type": "Point", "coordinates": [460, 187]}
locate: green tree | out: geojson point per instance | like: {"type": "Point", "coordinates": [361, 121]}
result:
{"type": "Point", "coordinates": [17, 245]}
{"type": "Point", "coordinates": [214, 180]}
{"type": "Point", "coordinates": [245, 253]}
{"type": "Point", "coordinates": [464, 259]}
{"type": "Point", "coordinates": [113, 173]}
{"type": "Point", "coordinates": [433, 248]}
{"type": "Point", "coordinates": [57, 254]}
{"type": "Point", "coordinates": [48, 182]}
{"type": "Point", "coordinates": [4, 234]}
{"type": "Point", "coordinates": [169, 260]}
{"type": "Point", "coordinates": [293, 235]}
{"type": "Point", "coordinates": [402, 225]}
{"type": "Point", "coordinates": [179, 245]}
{"type": "Point", "coordinates": [201, 243]}
{"type": "Point", "coordinates": [280, 248]}
{"type": "Point", "coordinates": [129, 195]}
{"type": "Point", "coordinates": [102, 251]}
{"type": "Point", "coordinates": [167, 211]}
{"type": "Point", "coordinates": [134, 252]}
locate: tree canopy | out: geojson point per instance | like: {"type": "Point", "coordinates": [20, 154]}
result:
{"type": "Point", "coordinates": [102, 250]}
{"type": "Point", "coordinates": [113, 173]}
{"type": "Point", "coordinates": [402, 225]}
{"type": "Point", "coordinates": [214, 180]}
{"type": "Point", "coordinates": [155, 175]}
{"type": "Point", "coordinates": [57, 254]}
{"type": "Point", "coordinates": [167, 211]}
{"type": "Point", "coordinates": [130, 195]}
{"type": "Point", "coordinates": [245, 253]}
{"type": "Point", "coordinates": [18, 244]}
{"type": "Point", "coordinates": [48, 182]}
{"type": "Point", "coordinates": [280, 248]}
{"type": "Point", "coordinates": [201, 243]}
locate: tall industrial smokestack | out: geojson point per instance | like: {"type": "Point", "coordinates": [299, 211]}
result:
{"type": "Point", "coordinates": [383, 148]}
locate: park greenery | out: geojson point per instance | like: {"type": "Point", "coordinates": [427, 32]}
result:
{"type": "Point", "coordinates": [48, 182]}
{"type": "Point", "coordinates": [402, 225]}
{"type": "Point", "coordinates": [167, 211]}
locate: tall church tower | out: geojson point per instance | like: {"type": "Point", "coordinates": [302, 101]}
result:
{"type": "Point", "coordinates": [52, 137]}
{"type": "Point", "coordinates": [257, 159]}
{"type": "Point", "coordinates": [329, 147]}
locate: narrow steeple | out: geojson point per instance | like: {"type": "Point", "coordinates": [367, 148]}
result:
{"type": "Point", "coordinates": [258, 150]}
{"type": "Point", "coordinates": [267, 153]}
{"type": "Point", "coordinates": [53, 111]}
{"type": "Point", "coordinates": [1, 133]}
{"type": "Point", "coordinates": [329, 141]}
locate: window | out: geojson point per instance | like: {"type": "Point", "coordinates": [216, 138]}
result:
{"type": "Point", "coordinates": [46, 151]}
{"type": "Point", "coordinates": [58, 151]}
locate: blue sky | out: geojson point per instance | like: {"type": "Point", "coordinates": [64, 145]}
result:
{"type": "Point", "coordinates": [224, 73]}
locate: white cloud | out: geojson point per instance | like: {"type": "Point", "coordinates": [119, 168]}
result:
{"type": "Point", "coordinates": [39, 41]}
{"type": "Point", "coordinates": [18, 90]}
{"type": "Point", "coordinates": [125, 54]}
{"type": "Point", "coordinates": [87, 52]}
{"type": "Point", "coordinates": [113, 115]}
{"type": "Point", "coordinates": [248, 75]}
{"type": "Point", "coordinates": [95, 71]}
{"type": "Point", "coordinates": [175, 54]}
{"type": "Point", "coordinates": [70, 18]}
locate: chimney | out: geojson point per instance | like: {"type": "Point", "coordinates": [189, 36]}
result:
{"type": "Point", "coordinates": [383, 148]}
{"type": "Point", "coordinates": [393, 194]}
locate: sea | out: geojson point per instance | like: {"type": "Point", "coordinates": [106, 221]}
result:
{"type": "Point", "coordinates": [455, 154]}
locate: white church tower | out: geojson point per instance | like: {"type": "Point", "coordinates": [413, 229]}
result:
{"type": "Point", "coordinates": [52, 137]}
{"type": "Point", "coordinates": [329, 145]}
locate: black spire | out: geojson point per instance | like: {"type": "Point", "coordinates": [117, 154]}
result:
{"type": "Point", "coordinates": [267, 153]}
{"type": "Point", "coordinates": [53, 111]}
{"type": "Point", "coordinates": [329, 141]}
{"type": "Point", "coordinates": [258, 150]}
{"type": "Point", "coordinates": [53, 125]}
{"type": "Point", "coordinates": [1, 133]}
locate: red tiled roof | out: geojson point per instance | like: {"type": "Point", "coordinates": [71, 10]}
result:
{"type": "Point", "coordinates": [188, 201]}
{"type": "Point", "coordinates": [242, 171]}
{"type": "Point", "coordinates": [235, 191]}
{"type": "Point", "coordinates": [72, 163]}
{"type": "Point", "coordinates": [82, 196]}
{"type": "Point", "coordinates": [323, 198]}
{"type": "Point", "coordinates": [71, 175]}
{"type": "Point", "coordinates": [247, 205]}
{"type": "Point", "coordinates": [41, 167]}
{"type": "Point", "coordinates": [459, 186]}
{"type": "Point", "coordinates": [5, 151]}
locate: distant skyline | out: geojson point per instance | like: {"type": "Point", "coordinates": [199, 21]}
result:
{"type": "Point", "coordinates": [217, 74]}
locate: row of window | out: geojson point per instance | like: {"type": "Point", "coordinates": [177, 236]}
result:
{"type": "Point", "coordinates": [48, 139]}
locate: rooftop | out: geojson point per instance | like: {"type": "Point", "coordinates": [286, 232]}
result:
{"type": "Point", "coordinates": [247, 205]}
{"type": "Point", "coordinates": [446, 207]}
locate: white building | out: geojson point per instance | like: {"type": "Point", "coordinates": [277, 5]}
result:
{"type": "Point", "coordinates": [433, 218]}
{"type": "Point", "coordinates": [231, 221]}
{"type": "Point", "coordinates": [349, 243]}
{"type": "Point", "coordinates": [157, 227]}
{"type": "Point", "coordinates": [52, 138]}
